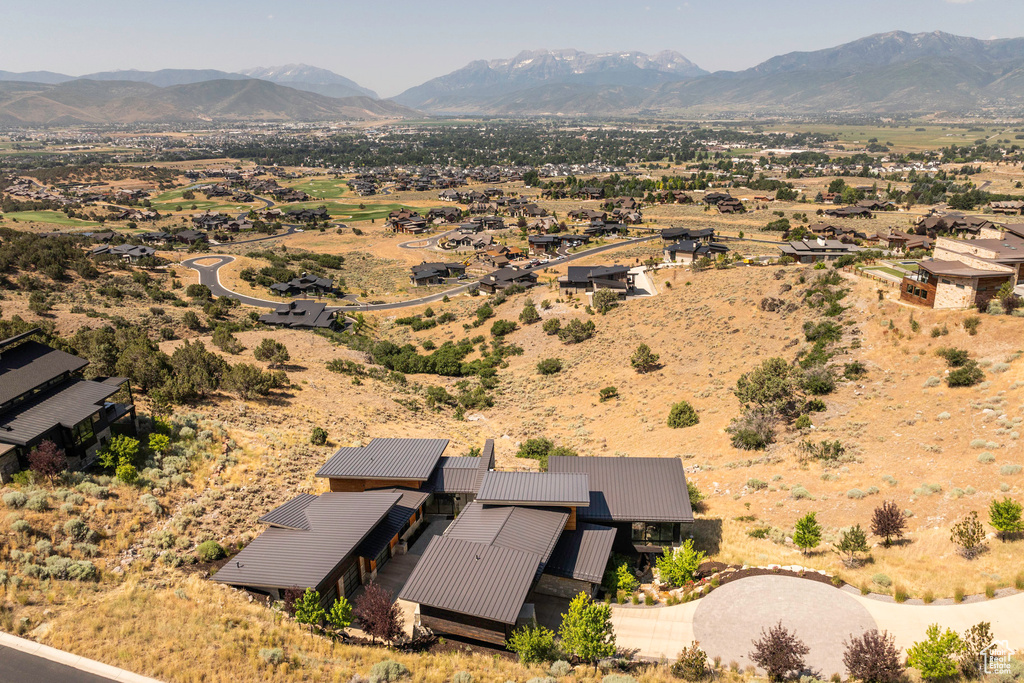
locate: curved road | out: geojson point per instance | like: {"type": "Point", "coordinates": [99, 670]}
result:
{"type": "Point", "coordinates": [209, 276]}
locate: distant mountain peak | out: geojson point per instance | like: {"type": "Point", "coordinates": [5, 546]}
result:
{"type": "Point", "coordinates": [310, 78]}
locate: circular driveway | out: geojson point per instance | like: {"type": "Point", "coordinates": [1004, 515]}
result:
{"type": "Point", "coordinates": [731, 617]}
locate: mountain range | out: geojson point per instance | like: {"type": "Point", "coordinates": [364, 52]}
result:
{"type": "Point", "coordinates": [884, 73]}
{"type": "Point", "coordinates": [888, 72]}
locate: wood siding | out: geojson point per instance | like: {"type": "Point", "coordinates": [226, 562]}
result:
{"type": "Point", "coordinates": [359, 485]}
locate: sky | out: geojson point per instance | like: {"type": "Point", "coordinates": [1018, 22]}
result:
{"type": "Point", "coordinates": [391, 45]}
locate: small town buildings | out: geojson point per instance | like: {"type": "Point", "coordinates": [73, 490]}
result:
{"type": "Point", "coordinates": [302, 313]}
{"type": "Point", "coordinates": [43, 396]}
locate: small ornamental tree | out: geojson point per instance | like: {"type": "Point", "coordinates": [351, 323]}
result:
{"type": "Point", "coordinates": [851, 544]}
{"type": "Point", "coordinates": [682, 415]}
{"type": "Point", "coordinates": [271, 352]}
{"type": "Point", "coordinates": [122, 450]}
{"type": "Point", "coordinates": [532, 644]}
{"type": "Point", "coordinates": [969, 536]}
{"type": "Point", "coordinates": [692, 664]}
{"type": "Point", "coordinates": [158, 443]}
{"type": "Point", "coordinates": [47, 460]}
{"type": "Point", "coordinates": [340, 614]}
{"type": "Point", "coordinates": [679, 565]}
{"type": "Point", "coordinates": [643, 359]}
{"type": "Point", "coordinates": [888, 521]}
{"type": "Point", "coordinates": [308, 609]}
{"type": "Point", "coordinates": [586, 630]}
{"type": "Point", "coordinates": [779, 652]}
{"type": "Point", "coordinates": [973, 643]}
{"type": "Point", "coordinates": [808, 532]}
{"type": "Point", "coordinates": [1005, 516]}
{"type": "Point", "coordinates": [529, 314]}
{"type": "Point", "coordinates": [935, 656]}
{"type": "Point", "coordinates": [379, 616]}
{"type": "Point", "coordinates": [873, 658]}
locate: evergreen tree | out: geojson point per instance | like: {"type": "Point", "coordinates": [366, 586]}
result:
{"type": "Point", "coordinates": [808, 532]}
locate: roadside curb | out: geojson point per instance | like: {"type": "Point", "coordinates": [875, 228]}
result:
{"type": "Point", "coordinates": [72, 660]}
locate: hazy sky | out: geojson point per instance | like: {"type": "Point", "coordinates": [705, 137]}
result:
{"type": "Point", "coordinates": [390, 45]}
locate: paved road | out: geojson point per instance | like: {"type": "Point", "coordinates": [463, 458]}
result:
{"type": "Point", "coordinates": [426, 243]}
{"type": "Point", "coordinates": [208, 275]}
{"type": "Point", "coordinates": [20, 667]}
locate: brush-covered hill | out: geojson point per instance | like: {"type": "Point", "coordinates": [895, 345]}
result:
{"type": "Point", "coordinates": [129, 102]}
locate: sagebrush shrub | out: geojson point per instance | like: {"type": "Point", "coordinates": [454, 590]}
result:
{"type": "Point", "coordinates": [387, 671]}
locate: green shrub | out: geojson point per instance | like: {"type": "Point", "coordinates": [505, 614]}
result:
{"type": "Point", "coordinates": [955, 358]}
{"type": "Point", "coordinates": [576, 331]}
{"type": "Point", "coordinates": [677, 566]}
{"type": "Point", "coordinates": [966, 376]}
{"type": "Point", "coordinates": [76, 529]}
{"type": "Point", "coordinates": [881, 580]}
{"type": "Point", "coordinates": [462, 677]}
{"type": "Point", "coordinates": [803, 422]}
{"type": "Point", "coordinates": [608, 393]}
{"type": "Point", "coordinates": [210, 551]}
{"type": "Point", "coordinates": [986, 457]}
{"type": "Point", "coordinates": [681, 415]}
{"type": "Point", "coordinates": [318, 437]}
{"type": "Point", "coordinates": [532, 643]}
{"type": "Point", "coordinates": [552, 326]}
{"type": "Point", "coordinates": [39, 502]}
{"type": "Point", "coordinates": [757, 484]}
{"type": "Point", "coordinates": [272, 655]}
{"type": "Point", "coordinates": [500, 328]}
{"type": "Point", "coordinates": [549, 366]}
{"type": "Point", "coordinates": [1009, 469]}
{"type": "Point", "coordinates": [15, 499]}
{"type": "Point", "coordinates": [387, 671]}
{"type": "Point", "coordinates": [618, 678]}
{"type": "Point", "coordinates": [560, 668]}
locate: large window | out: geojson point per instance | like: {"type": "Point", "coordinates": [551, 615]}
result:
{"type": "Point", "coordinates": [655, 533]}
{"type": "Point", "coordinates": [83, 434]}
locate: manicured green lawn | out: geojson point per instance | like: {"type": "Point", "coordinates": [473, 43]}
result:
{"type": "Point", "coordinates": [327, 188]}
{"type": "Point", "coordinates": [54, 217]}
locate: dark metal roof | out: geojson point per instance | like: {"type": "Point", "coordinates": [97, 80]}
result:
{"type": "Point", "coordinates": [405, 459]}
{"type": "Point", "coordinates": [291, 515]}
{"type": "Point", "coordinates": [534, 488]}
{"type": "Point", "coordinates": [485, 581]}
{"type": "Point", "coordinates": [30, 365]}
{"type": "Point", "coordinates": [486, 462]}
{"type": "Point", "coordinates": [398, 517]}
{"type": "Point", "coordinates": [630, 489]}
{"type": "Point", "coordinates": [455, 474]}
{"type": "Point", "coordinates": [531, 530]}
{"type": "Point", "coordinates": [291, 558]}
{"type": "Point", "coordinates": [583, 553]}
{"type": "Point", "coordinates": [66, 405]}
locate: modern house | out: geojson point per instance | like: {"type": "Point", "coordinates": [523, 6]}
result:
{"type": "Point", "coordinates": [812, 251]}
{"type": "Point", "coordinates": [581, 279]}
{"type": "Point", "coordinates": [965, 273]}
{"type": "Point", "coordinates": [516, 536]}
{"type": "Point", "coordinates": [306, 284]}
{"type": "Point", "coordinates": [689, 251]}
{"type": "Point", "coordinates": [304, 313]}
{"type": "Point", "coordinates": [435, 273]}
{"type": "Point", "coordinates": [43, 396]}
{"type": "Point", "coordinates": [126, 252]}
{"type": "Point", "coordinates": [504, 278]}
{"type": "Point", "coordinates": [692, 234]}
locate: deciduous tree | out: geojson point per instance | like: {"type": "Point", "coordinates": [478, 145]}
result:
{"type": "Point", "coordinates": [888, 521]}
{"type": "Point", "coordinates": [379, 615]}
{"type": "Point", "coordinates": [586, 631]}
{"type": "Point", "coordinates": [779, 652]}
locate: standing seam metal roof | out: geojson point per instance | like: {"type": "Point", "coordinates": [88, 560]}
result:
{"type": "Point", "coordinates": [630, 489]}
{"type": "Point", "coordinates": [291, 515]}
{"type": "Point", "coordinates": [397, 517]}
{"type": "Point", "coordinates": [290, 558]}
{"type": "Point", "coordinates": [32, 364]}
{"type": "Point", "coordinates": [454, 474]}
{"type": "Point", "coordinates": [535, 488]}
{"type": "Point", "coordinates": [531, 530]}
{"type": "Point", "coordinates": [583, 553]}
{"type": "Point", "coordinates": [485, 581]}
{"type": "Point", "coordinates": [407, 459]}
{"type": "Point", "coordinates": [67, 405]}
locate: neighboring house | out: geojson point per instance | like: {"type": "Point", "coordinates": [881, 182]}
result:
{"type": "Point", "coordinates": [984, 253]}
{"type": "Point", "coordinates": [306, 284]}
{"type": "Point", "coordinates": [689, 251]}
{"type": "Point", "coordinates": [681, 234]}
{"type": "Point", "coordinates": [190, 236]}
{"type": "Point", "coordinates": [945, 284]}
{"type": "Point", "coordinates": [1008, 208]}
{"type": "Point", "coordinates": [580, 279]}
{"type": "Point", "coordinates": [303, 313]}
{"type": "Point", "coordinates": [435, 273]}
{"type": "Point", "coordinates": [506, 277]}
{"type": "Point", "coordinates": [551, 244]}
{"type": "Point", "coordinates": [849, 212]}
{"type": "Point", "coordinates": [812, 251]}
{"type": "Point", "coordinates": [897, 239]}
{"type": "Point", "coordinates": [598, 229]}
{"type": "Point", "coordinates": [43, 396]}
{"type": "Point", "coordinates": [127, 252]}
